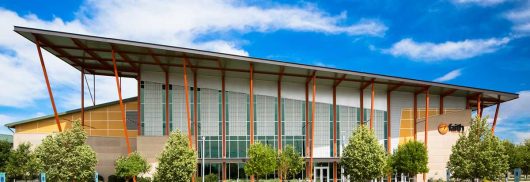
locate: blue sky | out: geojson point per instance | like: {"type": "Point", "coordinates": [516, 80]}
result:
{"type": "Point", "coordinates": [478, 43]}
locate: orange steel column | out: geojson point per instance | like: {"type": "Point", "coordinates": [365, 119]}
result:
{"type": "Point", "coordinates": [313, 106]}
{"type": "Point", "coordinates": [388, 119]}
{"type": "Point", "coordinates": [279, 121]}
{"type": "Point", "coordinates": [279, 116]}
{"type": "Point", "coordinates": [335, 132]}
{"type": "Point", "coordinates": [195, 119]}
{"type": "Point", "coordinates": [122, 107]}
{"type": "Point", "coordinates": [187, 93]}
{"type": "Point", "coordinates": [138, 100]}
{"type": "Point", "coordinates": [83, 97]}
{"type": "Point", "coordinates": [167, 102]}
{"type": "Point", "coordinates": [56, 116]}
{"type": "Point", "coordinates": [361, 93]}
{"type": "Point", "coordinates": [224, 123]}
{"type": "Point", "coordinates": [479, 110]}
{"type": "Point", "coordinates": [372, 107]}
{"type": "Point", "coordinates": [426, 128]}
{"type": "Point", "coordinates": [251, 109]}
{"type": "Point", "coordinates": [415, 114]}
{"type": "Point", "coordinates": [307, 127]}
{"type": "Point", "coordinates": [251, 100]}
{"type": "Point", "coordinates": [496, 114]}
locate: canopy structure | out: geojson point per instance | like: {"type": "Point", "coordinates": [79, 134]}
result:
{"type": "Point", "coordinates": [94, 55]}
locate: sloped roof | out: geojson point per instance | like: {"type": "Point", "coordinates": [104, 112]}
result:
{"type": "Point", "coordinates": [13, 124]}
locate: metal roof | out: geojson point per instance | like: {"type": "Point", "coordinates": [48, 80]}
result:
{"type": "Point", "coordinates": [94, 54]}
{"type": "Point", "coordinates": [13, 124]}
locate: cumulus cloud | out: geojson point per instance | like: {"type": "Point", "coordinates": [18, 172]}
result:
{"type": "Point", "coordinates": [449, 76]}
{"type": "Point", "coordinates": [478, 2]}
{"type": "Point", "coordinates": [187, 24]}
{"type": "Point", "coordinates": [521, 19]}
{"type": "Point", "coordinates": [450, 50]}
{"type": "Point", "coordinates": [513, 117]}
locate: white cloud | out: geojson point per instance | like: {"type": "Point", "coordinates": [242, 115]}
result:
{"type": "Point", "coordinates": [449, 76]}
{"type": "Point", "coordinates": [478, 2]}
{"type": "Point", "coordinates": [511, 117]}
{"type": "Point", "coordinates": [521, 19]}
{"type": "Point", "coordinates": [180, 23]}
{"type": "Point", "coordinates": [428, 51]}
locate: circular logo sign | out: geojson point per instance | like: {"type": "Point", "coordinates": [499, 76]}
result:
{"type": "Point", "coordinates": [443, 128]}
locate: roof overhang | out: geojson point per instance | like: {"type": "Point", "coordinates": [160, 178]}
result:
{"type": "Point", "coordinates": [94, 55]}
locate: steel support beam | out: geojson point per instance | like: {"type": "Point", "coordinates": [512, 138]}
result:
{"type": "Point", "coordinates": [187, 101]}
{"type": "Point", "coordinates": [479, 104]}
{"type": "Point", "coordinates": [138, 103]}
{"type": "Point", "coordinates": [122, 106]}
{"type": "Point", "coordinates": [50, 93]}
{"type": "Point", "coordinates": [372, 106]}
{"type": "Point", "coordinates": [166, 75]}
{"type": "Point", "coordinates": [496, 114]}
{"type": "Point", "coordinates": [335, 131]}
{"type": "Point", "coordinates": [415, 115]}
{"type": "Point", "coordinates": [251, 109]}
{"type": "Point", "coordinates": [82, 97]}
{"type": "Point", "coordinates": [426, 127]}
{"type": "Point", "coordinates": [313, 106]}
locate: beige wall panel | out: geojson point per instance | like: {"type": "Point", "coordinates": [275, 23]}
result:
{"type": "Point", "coordinates": [98, 115]}
{"type": "Point", "coordinates": [150, 146]}
{"type": "Point", "coordinates": [108, 149]}
{"type": "Point", "coordinates": [33, 139]}
{"type": "Point", "coordinates": [439, 146]}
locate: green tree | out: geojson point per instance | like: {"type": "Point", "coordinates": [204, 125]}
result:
{"type": "Point", "coordinates": [177, 162]}
{"type": "Point", "coordinates": [364, 158]}
{"type": "Point", "coordinates": [515, 155]}
{"type": "Point", "coordinates": [262, 160]}
{"type": "Point", "coordinates": [23, 163]}
{"type": "Point", "coordinates": [290, 162]}
{"type": "Point", "coordinates": [5, 151]}
{"type": "Point", "coordinates": [66, 156]}
{"type": "Point", "coordinates": [525, 153]}
{"type": "Point", "coordinates": [478, 154]}
{"type": "Point", "coordinates": [131, 165]}
{"type": "Point", "coordinates": [411, 158]}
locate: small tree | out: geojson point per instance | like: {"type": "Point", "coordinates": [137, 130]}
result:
{"type": "Point", "coordinates": [23, 163]}
{"type": "Point", "coordinates": [524, 149]}
{"type": "Point", "coordinates": [178, 161]}
{"type": "Point", "coordinates": [290, 162]}
{"type": "Point", "coordinates": [478, 154]}
{"type": "Point", "coordinates": [515, 155]}
{"type": "Point", "coordinates": [131, 165]}
{"type": "Point", "coordinates": [5, 151]}
{"type": "Point", "coordinates": [363, 158]}
{"type": "Point", "coordinates": [262, 160]}
{"type": "Point", "coordinates": [411, 158]}
{"type": "Point", "coordinates": [66, 156]}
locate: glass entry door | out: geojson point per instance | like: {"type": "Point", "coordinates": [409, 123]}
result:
{"type": "Point", "coordinates": [321, 174]}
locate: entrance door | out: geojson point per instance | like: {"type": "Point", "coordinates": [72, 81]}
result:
{"type": "Point", "coordinates": [321, 174]}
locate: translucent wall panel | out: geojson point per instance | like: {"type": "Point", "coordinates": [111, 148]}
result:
{"type": "Point", "coordinates": [293, 117]}
{"type": "Point", "coordinates": [153, 96]}
{"type": "Point", "coordinates": [179, 119]}
{"type": "Point", "coordinates": [266, 115]}
{"type": "Point", "coordinates": [380, 124]}
{"type": "Point", "coordinates": [323, 130]}
{"type": "Point", "coordinates": [348, 119]}
{"type": "Point", "coordinates": [210, 118]}
{"type": "Point", "coordinates": [237, 115]}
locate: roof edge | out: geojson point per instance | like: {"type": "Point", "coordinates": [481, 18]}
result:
{"type": "Point", "coordinates": [13, 124]}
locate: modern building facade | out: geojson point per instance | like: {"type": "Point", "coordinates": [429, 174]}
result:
{"type": "Point", "coordinates": [234, 101]}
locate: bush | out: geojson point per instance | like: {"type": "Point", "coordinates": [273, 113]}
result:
{"type": "Point", "coordinates": [410, 158]}
{"type": "Point", "coordinates": [23, 163]}
{"type": "Point", "coordinates": [131, 165]}
{"type": "Point", "coordinates": [5, 151]}
{"type": "Point", "coordinates": [262, 160]}
{"type": "Point", "coordinates": [364, 158]}
{"type": "Point", "coordinates": [209, 178]}
{"type": "Point", "coordinates": [66, 156]}
{"type": "Point", "coordinates": [177, 161]}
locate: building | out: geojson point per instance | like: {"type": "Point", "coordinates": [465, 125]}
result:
{"type": "Point", "coordinates": [234, 101]}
